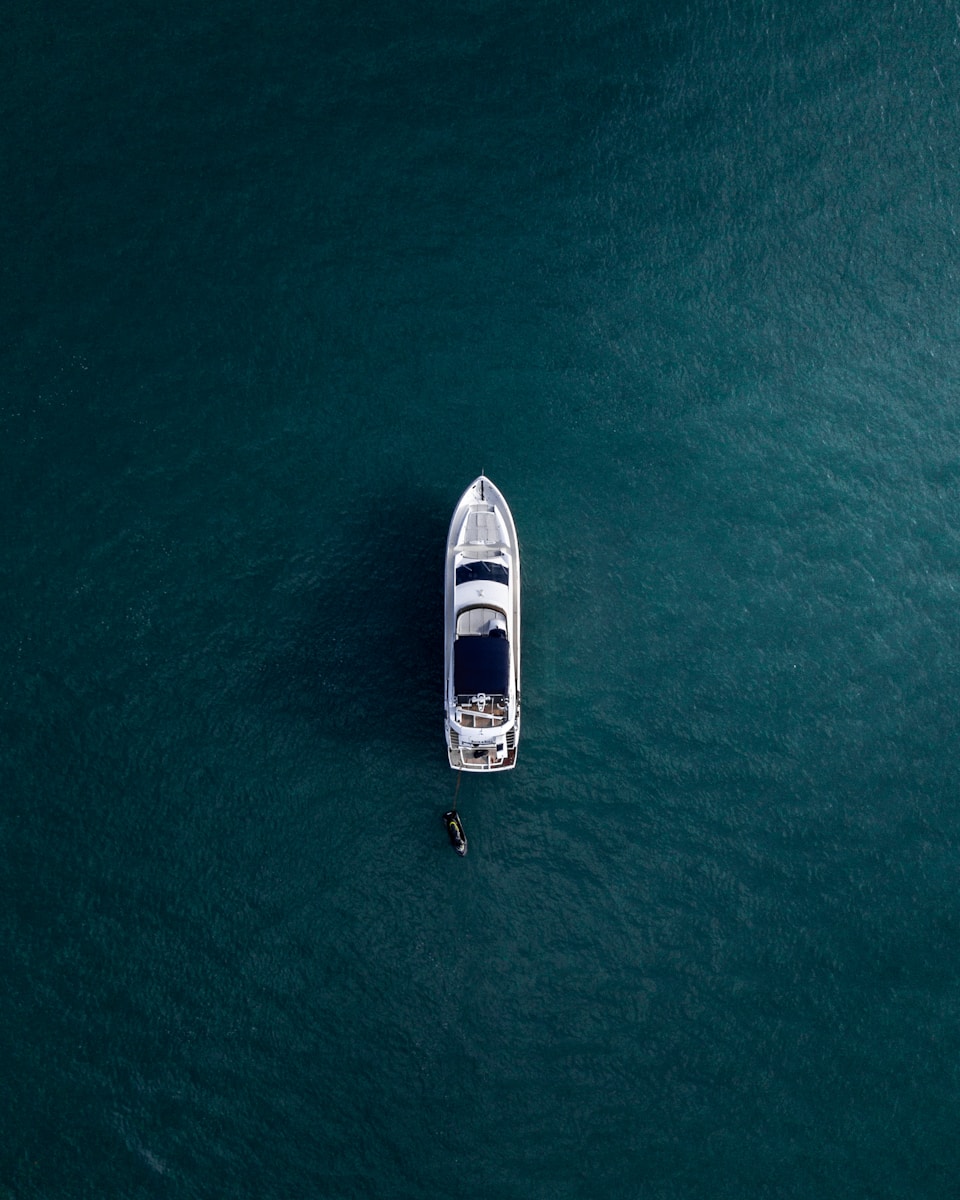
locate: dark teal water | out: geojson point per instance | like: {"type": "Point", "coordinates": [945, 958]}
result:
{"type": "Point", "coordinates": [276, 285]}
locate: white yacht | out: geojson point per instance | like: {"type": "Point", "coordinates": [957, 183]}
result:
{"type": "Point", "coordinates": [482, 633]}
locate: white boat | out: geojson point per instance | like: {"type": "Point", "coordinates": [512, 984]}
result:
{"type": "Point", "coordinates": [482, 632]}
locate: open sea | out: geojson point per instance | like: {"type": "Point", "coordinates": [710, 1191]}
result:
{"type": "Point", "coordinates": [277, 281]}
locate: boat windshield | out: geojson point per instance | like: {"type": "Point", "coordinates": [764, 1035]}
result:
{"type": "Point", "coordinates": [482, 571]}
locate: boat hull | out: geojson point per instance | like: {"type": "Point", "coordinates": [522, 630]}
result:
{"type": "Point", "coordinates": [482, 632]}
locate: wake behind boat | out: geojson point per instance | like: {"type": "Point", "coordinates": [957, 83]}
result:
{"type": "Point", "coordinates": [482, 632]}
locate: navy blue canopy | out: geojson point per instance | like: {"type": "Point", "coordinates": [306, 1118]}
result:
{"type": "Point", "coordinates": [481, 664]}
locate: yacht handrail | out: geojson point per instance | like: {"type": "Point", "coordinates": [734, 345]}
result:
{"type": "Point", "coordinates": [485, 549]}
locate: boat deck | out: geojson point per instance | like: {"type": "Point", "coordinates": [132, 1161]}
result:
{"type": "Point", "coordinates": [482, 529]}
{"type": "Point", "coordinates": [485, 760]}
{"type": "Point", "coordinates": [471, 714]}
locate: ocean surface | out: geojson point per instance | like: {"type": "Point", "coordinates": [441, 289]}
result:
{"type": "Point", "coordinates": [276, 283]}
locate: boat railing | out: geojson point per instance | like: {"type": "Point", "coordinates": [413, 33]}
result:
{"type": "Point", "coordinates": [481, 712]}
{"type": "Point", "coordinates": [481, 550]}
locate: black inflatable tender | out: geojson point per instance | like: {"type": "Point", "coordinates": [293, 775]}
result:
{"type": "Point", "coordinates": [455, 831]}
{"type": "Point", "coordinates": [481, 664]}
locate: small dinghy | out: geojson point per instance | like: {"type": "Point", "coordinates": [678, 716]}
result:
{"type": "Point", "coordinates": [454, 827]}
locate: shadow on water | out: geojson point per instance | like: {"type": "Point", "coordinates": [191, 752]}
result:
{"type": "Point", "coordinates": [363, 653]}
